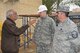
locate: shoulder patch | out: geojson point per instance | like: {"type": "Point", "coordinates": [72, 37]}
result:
{"type": "Point", "coordinates": [74, 34]}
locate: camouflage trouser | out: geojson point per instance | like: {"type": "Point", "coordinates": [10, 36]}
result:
{"type": "Point", "coordinates": [43, 48]}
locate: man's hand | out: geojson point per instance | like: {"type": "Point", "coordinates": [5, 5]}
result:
{"type": "Point", "coordinates": [31, 22]}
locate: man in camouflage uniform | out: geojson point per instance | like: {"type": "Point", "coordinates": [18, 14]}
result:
{"type": "Point", "coordinates": [44, 31]}
{"type": "Point", "coordinates": [66, 34]}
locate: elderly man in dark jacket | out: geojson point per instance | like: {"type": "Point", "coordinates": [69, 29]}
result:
{"type": "Point", "coordinates": [10, 33]}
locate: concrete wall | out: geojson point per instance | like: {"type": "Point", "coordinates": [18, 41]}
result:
{"type": "Point", "coordinates": [22, 7]}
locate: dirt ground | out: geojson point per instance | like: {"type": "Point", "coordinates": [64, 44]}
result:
{"type": "Point", "coordinates": [30, 49]}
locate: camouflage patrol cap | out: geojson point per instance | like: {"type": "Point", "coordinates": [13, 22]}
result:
{"type": "Point", "coordinates": [63, 8]}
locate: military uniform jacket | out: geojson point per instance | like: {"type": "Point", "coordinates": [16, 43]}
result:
{"type": "Point", "coordinates": [44, 30]}
{"type": "Point", "coordinates": [65, 37]}
{"type": "Point", "coordinates": [43, 34]}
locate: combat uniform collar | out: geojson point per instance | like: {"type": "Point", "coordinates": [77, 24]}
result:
{"type": "Point", "coordinates": [66, 21]}
{"type": "Point", "coordinates": [44, 17]}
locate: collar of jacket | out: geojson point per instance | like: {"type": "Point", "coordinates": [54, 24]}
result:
{"type": "Point", "coordinates": [11, 20]}
{"type": "Point", "coordinates": [67, 21]}
{"type": "Point", "coordinates": [45, 17]}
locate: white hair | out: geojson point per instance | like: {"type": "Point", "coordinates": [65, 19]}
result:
{"type": "Point", "coordinates": [9, 13]}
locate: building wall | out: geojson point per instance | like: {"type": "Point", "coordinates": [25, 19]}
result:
{"type": "Point", "coordinates": [21, 6]}
{"type": "Point", "coordinates": [76, 10]}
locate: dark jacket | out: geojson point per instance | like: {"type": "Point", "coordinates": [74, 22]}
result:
{"type": "Point", "coordinates": [10, 35]}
